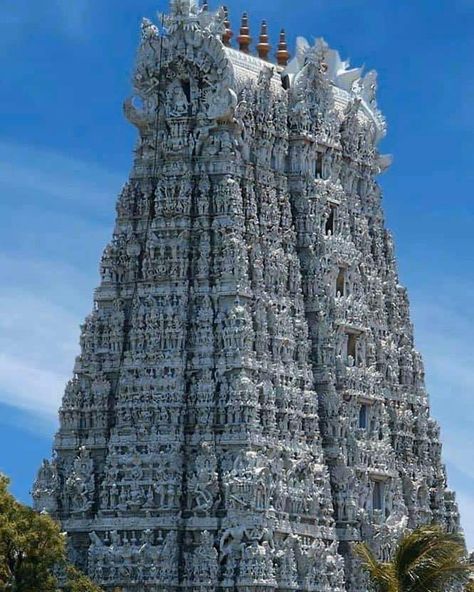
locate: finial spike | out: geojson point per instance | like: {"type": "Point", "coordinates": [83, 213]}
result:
{"type": "Point", "coordinates": [282, 54]}
{"type": "Point", "coordinates": [264, 46]}
{"type": "Point", "coordinates": [228, 33]}
{"type": "Point", "coordinates": [244, 37]}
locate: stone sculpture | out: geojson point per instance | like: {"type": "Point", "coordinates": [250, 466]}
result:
{"type": "Point", "coordinates": [248, 400]}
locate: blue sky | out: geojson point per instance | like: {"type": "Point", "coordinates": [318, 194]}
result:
{"type": "Point", "coordinates": [65, 151]}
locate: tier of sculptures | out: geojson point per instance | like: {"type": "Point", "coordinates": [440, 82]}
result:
{"type": "Point", "coordinates": [248, 400]}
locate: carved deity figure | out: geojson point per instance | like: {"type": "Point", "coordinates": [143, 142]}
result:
{"type": "Point", "coordinates": [247, 401]}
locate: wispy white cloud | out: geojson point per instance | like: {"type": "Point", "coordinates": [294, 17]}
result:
{"type": "Point", "coordinates": [42, 304]}
{"type": "Point", "coordinates": [28, 387]}
{"type": "Point", "coordinates": [69, 18]}
{"type": "Point", "coordinates": [72, 16]}
{"type": "Point", "coordinates": [39, 331]}
{"type": "Point", "coordinates": [47, 284]}
{"type": "Point", "coordinates": [443, 326]}
{"type": "Point", "coordinates": [48, 175]}
{"type": "Point", "coordinates": [466, 503]}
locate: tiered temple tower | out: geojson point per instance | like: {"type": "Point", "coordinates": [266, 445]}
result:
{"type": "Point", "coordinates": [248, 399]}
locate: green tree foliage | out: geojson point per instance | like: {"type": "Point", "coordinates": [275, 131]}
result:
{"type": "Point", "coordinates": [78, 582]}
{"type": "Point", "coordinates": [31, 547]}
{"type": "Point", "coordinates": [426, 560]}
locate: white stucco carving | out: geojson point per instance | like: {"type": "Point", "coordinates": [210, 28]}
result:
{"type": "Point", "coordinates": [248, 399]}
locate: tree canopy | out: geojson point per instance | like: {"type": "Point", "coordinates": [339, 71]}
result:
{"type": "Point", "coordinates": [426, 560]}
{"type": "Point", "coordinates": [32, 548]}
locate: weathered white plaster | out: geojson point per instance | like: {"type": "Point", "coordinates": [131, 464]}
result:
{"type": "Point", "coordinates": [248, 399]}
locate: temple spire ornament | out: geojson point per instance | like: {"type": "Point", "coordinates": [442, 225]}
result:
{"type": "Point", "coordinates": [244, 39]}
{"type": "Point", "coordinates": [263, 46]}
{"type": "Point", "coordinates": [283, 55]}
{"type": "Point", "coordinates": [228, 33]}
{"type": "Point", "coordinates": [248, 401]}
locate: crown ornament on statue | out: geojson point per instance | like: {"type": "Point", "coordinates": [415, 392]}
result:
{"type": "Point", "coordinates": [183, 14]}
{"type": "Point", "coordinates": [189, 15]}
{"type": "Point", "coordinates": [184, 7]}
{"type": "Point", "coordinates": [317, 54]}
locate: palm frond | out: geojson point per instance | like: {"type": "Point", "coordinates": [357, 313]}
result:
{"type": "Point", "coordinates": [381, 574]}
{"type": "Point", "coordinates": [429, 558]}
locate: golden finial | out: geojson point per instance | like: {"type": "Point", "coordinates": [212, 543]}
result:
{"type": "Point", "coordinates": [244, 38]}
{"type": "Point", "coordinates": [283, 55]}
{"type": "Point", "coordinates": [228, 33]}
{"type": "Point", "coordinates": [263, 45]}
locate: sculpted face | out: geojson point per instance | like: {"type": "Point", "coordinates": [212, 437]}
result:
{"type": "Point", "coordinates": [217, 373]}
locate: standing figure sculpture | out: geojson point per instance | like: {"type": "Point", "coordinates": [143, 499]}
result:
{"type": "Point", "coordinates": [248, 400]}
